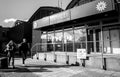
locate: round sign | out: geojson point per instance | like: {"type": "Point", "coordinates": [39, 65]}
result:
{"type": "Point", "coordinates": [101, 6]}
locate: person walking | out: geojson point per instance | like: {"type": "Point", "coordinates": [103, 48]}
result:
{"type": "Point", "coordinates": [10, 49]}
{"type": "Point", "coordinates": [24, 49]}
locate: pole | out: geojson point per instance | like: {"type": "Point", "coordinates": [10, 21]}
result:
{"type": "Point", "coordinates": [58, 3]}
{"type": "Point", "coordinates": [61, 3]}
{"type": "Point", "coordinates": [103, 66]}
{"type": "Point", "coordinates": [31, 53]}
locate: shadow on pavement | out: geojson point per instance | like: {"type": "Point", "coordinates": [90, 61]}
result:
{"type": "Point", "coordinates": [24, 69]}
{"type": "Point", "coordinates": [47, 66]}
{"type": "Point", "coordinates": [33, 68]}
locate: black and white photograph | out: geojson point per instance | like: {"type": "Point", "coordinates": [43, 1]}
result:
{"type": "Point", "coordinates": [59, 38]}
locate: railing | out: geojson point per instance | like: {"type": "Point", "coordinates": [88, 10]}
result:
{"type": "Point", "coordinates": [36, 46]}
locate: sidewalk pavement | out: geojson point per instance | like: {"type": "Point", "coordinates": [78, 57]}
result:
{"type": "Point", "coordinates": [40, 68]}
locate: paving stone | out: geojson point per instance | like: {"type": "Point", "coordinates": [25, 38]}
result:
{"type": "Point", "coordinates": [39, 68]}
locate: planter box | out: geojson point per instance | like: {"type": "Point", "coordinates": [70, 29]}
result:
{"type": "Point", "coordinates": [3, 62]}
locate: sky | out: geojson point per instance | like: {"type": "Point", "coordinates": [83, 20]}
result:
{"type": "Point", "coordinates": [12, 10]}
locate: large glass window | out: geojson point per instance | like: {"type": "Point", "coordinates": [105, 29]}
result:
{"type": "Point", "coordinates": [58, 41]}
{"type": "Point", "coordinates": [98, 40]}
{"type": "Point", "coordinates": [80, 39]}
{"type": "Point", "coordinates": [43, 42]}
{"type": "Point", "coordinates": [94, 41]}
{"type": "Point", "coordinates": [50, 41]}
{"type": "Point", "coordinates": [106, 38]}
{"type": "Point", "coordinates": [44, 38]}
{"type": "Point", "coordinates": [68, 40]}
{"type": "Point", "coordinates": [115, 42]}
{"type": "Point", "coordinates": [90, 42]}
{"type": "Point", "coordinates": [111, 41]}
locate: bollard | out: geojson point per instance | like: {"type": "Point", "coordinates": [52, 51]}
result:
{"type": "Point", "coordinates": [67, 59]}
{"type": "Point", "coordinates": [45, 57]}
{"type": "Point", "coordinates": [104, 64]}
{"type": "Point", "coordinates": [55, 58]}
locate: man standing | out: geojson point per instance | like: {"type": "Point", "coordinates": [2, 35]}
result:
{"type": "Point", "coordinates": [24, 49]}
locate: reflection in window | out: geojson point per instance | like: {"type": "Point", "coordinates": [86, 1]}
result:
{"type": "Point", "coordinates": [80, 35]}
{"type": "Point", "coordinates": [115, 40]}
{"type": "Point", "coordinates": [90, 41]}
{"type": "Point", "coordinates": [44, 38]}
{"type": "Point", "coordinates": [43, 42]}
{"type": "Point", "coordinates": [112, 41]}
{"type": "Point", "coordinates": [94, 41]}
{"type": "Point", "coordinates": [68, 40]}
{"type": "Point", "coordinates": [98, 40]}
{"type": "Point", "coordinates": [80, 38]}
{"type": "Point", "coordinates": [58, 41]}
{"type": "Point", "coordinates": [50, 42]}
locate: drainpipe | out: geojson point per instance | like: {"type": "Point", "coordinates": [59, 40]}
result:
{"type": "Point", "coordinates": [103, 59]}
{"type": "Point", "coordinates": [54, 47]}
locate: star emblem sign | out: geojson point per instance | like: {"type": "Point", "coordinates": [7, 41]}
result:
{"type": "Point", "coordinates": [101, 6]}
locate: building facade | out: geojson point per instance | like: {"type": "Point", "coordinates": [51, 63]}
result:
{"type": "Point", "coordinates": [3, 38]}
{"type": "Point", "coordinates": [91, 25]}
{"type": "Point", "coordinates": [20, 30]}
